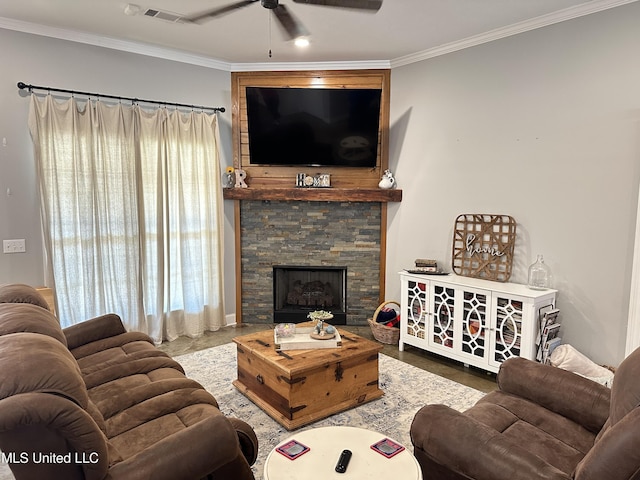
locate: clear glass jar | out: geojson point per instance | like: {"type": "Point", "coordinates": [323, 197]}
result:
{"type": "Point", "coordinates": [539, 275]}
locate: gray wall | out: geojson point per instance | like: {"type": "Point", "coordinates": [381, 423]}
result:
{"type": "Point", "coordinates": [543, 126]}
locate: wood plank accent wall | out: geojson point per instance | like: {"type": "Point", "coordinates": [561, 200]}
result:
{"type": "Point", "coordinates": [262, 177]}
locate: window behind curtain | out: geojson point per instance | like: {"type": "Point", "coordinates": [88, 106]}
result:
{"type": "Point", "coordinates": [131, 214]}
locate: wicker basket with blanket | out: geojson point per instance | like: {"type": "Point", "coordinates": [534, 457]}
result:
{"type": "Point", "coordinates": [384, 324]}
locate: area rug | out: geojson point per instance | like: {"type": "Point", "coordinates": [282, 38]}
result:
{"type": "Point", "coordinates": [406, 389]}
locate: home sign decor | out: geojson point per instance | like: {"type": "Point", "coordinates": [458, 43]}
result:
{"type": "Point", "coordinates": [483, 246]}
{"type": "Point", "coordinates": [321, 180]}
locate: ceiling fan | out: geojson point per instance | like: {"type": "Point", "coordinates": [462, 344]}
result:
{"type": "Point", "coordinates": [291, 25]}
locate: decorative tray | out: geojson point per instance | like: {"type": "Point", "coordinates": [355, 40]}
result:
{"type": "Point", "coordinates": [301, 340]}
{"type": "Point", "coordinates": [424, 272]}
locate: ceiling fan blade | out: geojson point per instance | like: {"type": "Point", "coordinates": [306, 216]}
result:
{"type": "Point", "coordinates": [199, 17]}
{"type": "Point", "coordinates": [373, 5]}
{"type": "Point", "coordinates": [291, 25]}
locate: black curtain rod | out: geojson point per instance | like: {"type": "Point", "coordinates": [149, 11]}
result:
{"type": "Point", "coordinates": [23, 86]}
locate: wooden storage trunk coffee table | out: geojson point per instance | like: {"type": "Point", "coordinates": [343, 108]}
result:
{"type": "Point", "coordinates": [297, 387]}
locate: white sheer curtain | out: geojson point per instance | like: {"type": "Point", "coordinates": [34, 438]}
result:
{"type": "Point", "coordinates": [131, 214]}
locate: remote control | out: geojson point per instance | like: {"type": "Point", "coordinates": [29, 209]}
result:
{"type": "Point", "coordinates": [343, 461]}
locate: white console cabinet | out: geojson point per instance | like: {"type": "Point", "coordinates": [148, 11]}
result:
{"type": "Point", "coordinates": [477, 322]}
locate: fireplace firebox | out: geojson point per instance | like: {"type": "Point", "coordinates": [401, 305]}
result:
{"type": "Point", "coordinates": [298, 290]}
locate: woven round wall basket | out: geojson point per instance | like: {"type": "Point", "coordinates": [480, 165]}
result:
{"type": "Point", "coordinates": [382, 333]}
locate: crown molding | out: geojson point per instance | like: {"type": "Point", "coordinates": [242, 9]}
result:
{"type": "Point", "coordinates": [515, 29]}
{"type": "Point", "coordinates": [114, 44]}
{"type": "Point", "coordinates": [179, 55]}
{"type": "Point", "coordinates": [291, 66]}
{"type": "Point", "coordinates": [570, 13]}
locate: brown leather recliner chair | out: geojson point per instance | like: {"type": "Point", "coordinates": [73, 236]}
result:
{"type": "Point", "coordinates": [541, 423]}
{"type": "Point", "coordinates": [96, 402]}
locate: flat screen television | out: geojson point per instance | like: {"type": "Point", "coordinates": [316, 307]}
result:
{"type": "Point", "coordinates": [313, 126]}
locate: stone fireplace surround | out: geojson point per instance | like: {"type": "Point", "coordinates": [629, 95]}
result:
{"type": "Point", "coordinates": [342, 225]}
{"type": "Point", "coordinates": [313, 233]}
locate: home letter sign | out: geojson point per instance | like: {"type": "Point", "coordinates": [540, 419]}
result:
{"type": "Point", "coordinates": [483, 246]}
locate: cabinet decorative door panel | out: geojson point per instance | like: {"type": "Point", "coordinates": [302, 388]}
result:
{"type": "Point", "coordinates": [443, 323]}
{"type": "Point", "coordinates": [478, 322]}
{"type": "Point", "coordinates": [508, 329]}
{"type": "Point", "coordinates": [417, 310]}
{"type": "Point", "coordinates": [475, 323]}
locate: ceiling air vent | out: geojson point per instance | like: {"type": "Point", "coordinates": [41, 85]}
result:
{"type": "Point", "coordinates": [159, 14]}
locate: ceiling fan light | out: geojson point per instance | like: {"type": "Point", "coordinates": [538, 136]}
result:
{"type": "Point", "coordinates": [301, 42]}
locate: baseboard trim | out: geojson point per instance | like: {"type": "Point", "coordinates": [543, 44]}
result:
{"type": "Point", "coordinates": [230, 319]}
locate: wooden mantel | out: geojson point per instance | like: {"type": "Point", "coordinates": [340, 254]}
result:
{"type": "Point", "coordinates": [315, 194]}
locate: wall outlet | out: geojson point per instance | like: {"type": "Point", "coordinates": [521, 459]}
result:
{"type": "Point", "coordinates": [14, 246]}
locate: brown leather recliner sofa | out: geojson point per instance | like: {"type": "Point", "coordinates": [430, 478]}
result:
{"type": "Point", "coordinates": [96, 402]}
{"type": "Point", "coordinates": [541, 423]}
